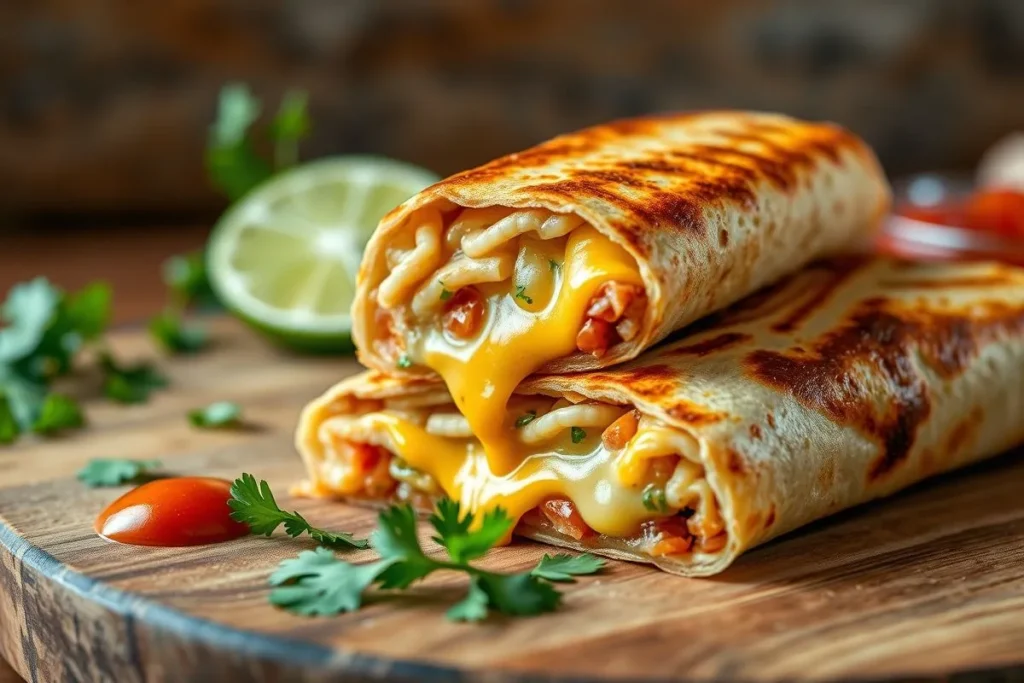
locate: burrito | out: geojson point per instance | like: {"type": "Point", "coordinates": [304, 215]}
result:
{"type": "Point", "coordinates": [847, 381]}
{"type": "Point", "coordinates": [586, 250]}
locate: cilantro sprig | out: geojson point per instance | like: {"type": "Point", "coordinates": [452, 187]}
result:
{"type": "Point", "coordinates": [521, 294]}
{"type": "Point", "coordinates": [168, 329]}
{"type": "Point", "coordinates": [253, 503]}
{"type": "Point", "coordinates": [102, 472]}
{"type": "Point", "coordinates": [42, 330]}
{"type": "Point", "coordinates": [129, 383]}
{"type": "Point", "coordinates": [232, 161]}
{"type": "Point", "coordinates": [318, 583]}
{"type": "Point", "coordinates": [219, 414]}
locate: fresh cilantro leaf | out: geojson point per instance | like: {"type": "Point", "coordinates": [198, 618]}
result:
{"type": "Point", "coordinates": [316, 583]}
{"type": "Point", "coordinates": [445, 292]}
{"type": "Point", "coordinates": [526, 419]}
{"type": "Point", "coordinates": [554, 265]}
{"type": "Point", "coordinates": [395, 538]}
{"type": "Point", "coordinates": [231, 162]}
{"type": "Point", "coordinates": [521, 294]}
{"type": "Point", "coordinates": [577, 434]}
{"type": "Point", "coordinates": [170, 332]}
{"type": "Point", "coordinates": [115, 471]}
{"type": "Point", "coordinates": [289, 127]}
{"type": "Point", "coordinates": [334, 539]}
{"type": "Point", "coordinates": [237, 110]}
{"type": "Point", "coordinates": [473, 607]}
{"type": "Point", "coordinates": [562, 567]}
{"type": "Point", "coordinates": [217, 414]}
{"type": "Point", "coordinates": [24, 397]}
{"type": "Point", "coordinates": [252, 503]}
{"type": "Point", "coordinates": [88, 310]}
{"type": "Point", "coordinates": [447, 522]}
{"type": "Point", "coordinates": [78, 317]}
{"type": "Point", "coordinates": [404, 361]}
{"type": "Point", "coordinates": [519, 594]}
{"type": "Point", "coordinates": [28, 310]}
{"type": "Point", "coordinates": [129, 383]}
{"type": "Point", "coordinates": [9, 429]}
{"type": "Point", "coordinates": [185, 275]}
{"type": "Point", "coordinates": [653, 498]}
{"type": "Point", "coordinates": [58, 412]}
{"type": "Point", "coordinates": [454, 534]}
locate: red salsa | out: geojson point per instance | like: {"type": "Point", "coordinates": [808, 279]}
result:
{"type": "Point", "coordinates": [987, 224]}
{"type": "Point", "coordinates": [996, 211]}
{"type": "Point", "coordinates": [172, 512]}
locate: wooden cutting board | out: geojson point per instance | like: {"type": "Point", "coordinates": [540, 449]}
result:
{"type": "Point", "coordinates": [927, 584]}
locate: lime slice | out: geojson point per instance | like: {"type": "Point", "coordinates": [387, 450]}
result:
{"type": "Point", "coordinates": [284, 258]}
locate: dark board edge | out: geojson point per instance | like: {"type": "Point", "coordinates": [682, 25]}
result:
{"type": "Point", "coordinates": [61, 595]}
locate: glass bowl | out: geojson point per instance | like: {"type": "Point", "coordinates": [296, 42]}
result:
{"type": "Point", "coordinates": [919, 239]}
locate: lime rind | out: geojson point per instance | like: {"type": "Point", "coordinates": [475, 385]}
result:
{"type": "Point", "coordinates": [284, 258]}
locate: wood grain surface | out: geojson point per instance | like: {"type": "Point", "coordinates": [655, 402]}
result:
{"type": "Point", "coordinates": [925, 585]}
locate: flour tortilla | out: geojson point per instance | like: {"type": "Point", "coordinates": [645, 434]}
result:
{"type": "Point", "coordinates": [848, 381]}
{"type": "Point", "coordinates": [712, 206]}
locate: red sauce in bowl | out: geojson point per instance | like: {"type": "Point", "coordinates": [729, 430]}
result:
{"type": "Point", "coordinates": [172, 512]}
{"type": "Point", "coordinates": [955, 223]}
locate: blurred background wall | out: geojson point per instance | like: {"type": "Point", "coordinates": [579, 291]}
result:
{"type": "Point", "coordinates": [105, 104]}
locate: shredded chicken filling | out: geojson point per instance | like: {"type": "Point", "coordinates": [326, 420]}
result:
{"type": "Point", "coordinates": [477, 252]}
{"type": "Point", "coordinates": [591, 470]}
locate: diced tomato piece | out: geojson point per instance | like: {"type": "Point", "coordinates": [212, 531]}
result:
{"type": "Point", "coordinates": [463, 313]}
{"type": "Point", "coordinates": [566, 519]}
{"type": "Point", "coordinates": [673, 538]}
{"type": "Point", "coordinates": [363, 458]}
{"type": "Point", "coordinates": [595, 337]}
{"type": "Point", "coordinates": [714, 544]}
{"type": "Point", "coordinates": [705, 527]}
{"type": "Point", "coordinates": [998, 211]}
{"type": "Point", "coordinates": [621, 431]}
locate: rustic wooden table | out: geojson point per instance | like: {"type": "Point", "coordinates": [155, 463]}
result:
{"type": "Point", "coordinates": [129, 258]}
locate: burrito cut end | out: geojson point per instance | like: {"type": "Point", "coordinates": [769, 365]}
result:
{"type": "Point", "coordinates": [584, 251]}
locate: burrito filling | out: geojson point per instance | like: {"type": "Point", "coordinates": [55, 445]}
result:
{"type": "Point", "coordinates": [592, 472]}
{"type": "Point", "coordinates": [496, 296]}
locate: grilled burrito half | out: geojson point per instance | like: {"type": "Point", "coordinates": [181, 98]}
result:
{"type": "Point", "coordinates": [586, 250]}
{"type": "Point", "coordinates": [846, 382]}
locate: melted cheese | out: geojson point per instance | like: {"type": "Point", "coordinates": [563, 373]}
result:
{"type": "Point", "coordinates": [531, 320]}
{"type": "Point", "coordinates": [585, 473]}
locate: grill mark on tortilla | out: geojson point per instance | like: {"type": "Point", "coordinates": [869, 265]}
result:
{"type": "Point", "coordinates": [770, 519]}
{"type": "Point", "coordinates": [838, 273]}
{"type": "Point", "coordinates": [669, 187]}
{"type": "Point", "coordinates": [658, 384]}
{"type": "Point", "coordinates": [657, 208]}
{"type": "Point", "coordinates": [719, 343]}
{"type": "Point", "coordinates": [693, 414]}
{"type": "Point", "coordinates": [653, 382]}
{"type": "Point", "coordinates": [769, 301]}
{"type": "Point", "coordinates": [881, 342]}
{"type": "Point", "coordinates": [755, 432]}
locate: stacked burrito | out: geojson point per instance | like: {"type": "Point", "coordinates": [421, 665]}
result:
{"type": "Point", "coordinates": [661, 340]}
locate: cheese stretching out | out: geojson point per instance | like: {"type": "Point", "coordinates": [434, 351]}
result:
{"type": "Point", "coordinates": [848, 381]}
{"type": "Point", "coordinates": [586, 470]}
{"type": "Point", "coordinates": [502, 322]}
{"type": "Point", "coordinates": [586, 250]}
